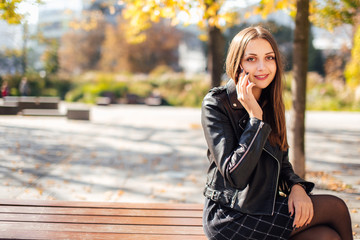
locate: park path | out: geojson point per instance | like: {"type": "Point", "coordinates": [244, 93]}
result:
{"type": "Point", "coordinates": [137, 153]}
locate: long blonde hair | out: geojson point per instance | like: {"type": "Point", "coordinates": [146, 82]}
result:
{"type": "Point", "coordinates": [271, 97]}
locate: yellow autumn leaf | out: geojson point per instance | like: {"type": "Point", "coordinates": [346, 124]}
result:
{"type": "Point", "coordinates": [213, 9]}
{"type": "Point", "coordinates": [195, 126]}
{"type": "Point", "coordinates": [40, 190]}
{"type": "Point", "coordinates": [203, 37]}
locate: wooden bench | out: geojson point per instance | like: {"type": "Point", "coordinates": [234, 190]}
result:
{"type": "Point", "coordinates": [42, 112]}
{"type": "Point", "coordinates": [41, 219]}
{"type": "Point", "coordinates": [78, 113]}
{"type": "Point", "coordinates": [32, 102]}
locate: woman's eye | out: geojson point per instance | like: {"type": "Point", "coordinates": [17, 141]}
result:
{"type": "Point", "coordinates": [271, 58]}
{"type": "Point", "coordinates": [251, 59]}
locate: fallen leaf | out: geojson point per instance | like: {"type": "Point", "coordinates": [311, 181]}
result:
{"type": "Point", "coordinates": [87, 189]}
{"type": "Point", "coordinates": [43, 151]}
{"type": "Point", "coordinates": [356, 225]}
{"type": "Point", "coordinates": [354, 211]}
{"type": "Point", "coordinates": [195, 126]}
{"type": "Point", "coordinates": [81, 197]}
{"type": "Point", "coordinates": [108, 195]}
{"type": "Point", "coordinates": [144, 160]}
{"type": "Point", "coordinates": [40, 190]}
{"type": "Point", "coordinates": [50, 182]}
{"type": "Point", "coordinates": [120, 192]}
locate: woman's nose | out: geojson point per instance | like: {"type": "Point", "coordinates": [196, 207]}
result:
{"type": "Point", "coordinates": [260, 65]}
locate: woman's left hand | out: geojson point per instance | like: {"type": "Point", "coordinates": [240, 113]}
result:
{"type": "Point", "coordinates": [301, 205]}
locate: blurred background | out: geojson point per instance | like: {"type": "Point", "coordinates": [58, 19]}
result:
{"type": "Point", "coordinates": [110, 62]}
{"type": "Point", "coordinates": [85, 49]}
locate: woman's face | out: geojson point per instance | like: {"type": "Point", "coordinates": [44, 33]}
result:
{"type": "Point", "coordinates": [259, 61]}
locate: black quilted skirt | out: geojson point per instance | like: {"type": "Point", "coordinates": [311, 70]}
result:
{"type": "Point", "coordinates": [222, 223]}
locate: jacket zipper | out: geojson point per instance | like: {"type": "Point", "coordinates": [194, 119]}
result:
{"type": "Point", "coordinates": [277, 179]}
{"type": "Point", "coordinates": [247, 150]}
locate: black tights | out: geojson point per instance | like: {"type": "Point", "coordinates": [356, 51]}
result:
{"type": "Point", "coordinates": [331, 221]}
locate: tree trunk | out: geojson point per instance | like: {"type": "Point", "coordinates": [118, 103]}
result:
{"type": "Point", "coordinates": [216, 45]}
{"type": "Point", "coordinates": [24, 50]}
{"type": "Point", "coordinates": [300, 64]}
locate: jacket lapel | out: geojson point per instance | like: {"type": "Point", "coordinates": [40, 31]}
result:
{"type": "Point", "coordinates": [232, 95]}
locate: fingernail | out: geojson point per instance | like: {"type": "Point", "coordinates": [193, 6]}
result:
{"type": "Point", "coordinates": [241, 70]}
{"type": "Point", "coordinates": [247, 73]}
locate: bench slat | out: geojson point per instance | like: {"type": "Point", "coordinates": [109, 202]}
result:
{"type": "Point", "coordinates": [56, 235]}
{"type": "Point", "coordinates": [101, 212]}
{"type": "Point", "coordinates": [23, 219]}
{"type": "Point", "coordinates": [166, 221]}
{"type": "Point", "coordinates": [82, 204]}
{"type": "Point", "coordinates": [110, 228]}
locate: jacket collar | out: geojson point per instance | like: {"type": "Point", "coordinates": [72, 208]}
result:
{"type": "Point", "coordinates": [232, 95]}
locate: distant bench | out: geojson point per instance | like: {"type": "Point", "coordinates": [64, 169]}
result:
{"type": "Point", "coordinates": [41, 219]}
{"type": "Point", "coordinates": [13, 105]}
{"type": "Point", "coordinates": [33, 102]}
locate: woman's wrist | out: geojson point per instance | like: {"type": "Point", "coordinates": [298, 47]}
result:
{"type": "Point", "coordinates": [300, 185]}
{"type": "Point", "coordinates": [258, 115]}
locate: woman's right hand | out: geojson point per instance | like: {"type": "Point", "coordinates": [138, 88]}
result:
{"type": "Point", "coordinates": [246, 96]}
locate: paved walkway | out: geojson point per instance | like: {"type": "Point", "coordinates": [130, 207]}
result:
{"type": "Point", "coordinates": [133, 153]}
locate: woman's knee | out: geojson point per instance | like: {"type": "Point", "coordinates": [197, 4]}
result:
{"type": "Point", "coordinates": [319, 232]}
{"type": "Point", "coordinates": [338, 204]}
{"type": "Point", "coordinates": [332, 202]}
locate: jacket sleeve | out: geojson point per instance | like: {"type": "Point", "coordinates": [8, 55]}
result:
{"type": "Point", "coordinates": [288, 178]}
{"type": "Point", "coordinates": [235, 158]}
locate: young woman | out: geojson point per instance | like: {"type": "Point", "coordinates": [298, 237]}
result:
{"type": "Point", "coordinates": [252, 191]}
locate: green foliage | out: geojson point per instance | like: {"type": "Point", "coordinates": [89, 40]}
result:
{"type": "Point", "coordinates": [322, 96]}
{"type": "Point", "coordinates": [183, 92]}
{"type": "Point", "coordinates": [95, 85]}
{"type": "Point", "coordinates": [48, 86]}
{"type": "Point", "coordinates": [50, 58]}
{"type": "Point", "coordinates": [174, 88]}
{"type": "Point", "coordinates": [333, 13]}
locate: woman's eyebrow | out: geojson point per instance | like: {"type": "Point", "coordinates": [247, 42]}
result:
{"type": "Point", "coordinates": [254, 54]}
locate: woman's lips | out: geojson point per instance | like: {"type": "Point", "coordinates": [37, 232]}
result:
{"type": "Point", "coordinates": [261, 77]}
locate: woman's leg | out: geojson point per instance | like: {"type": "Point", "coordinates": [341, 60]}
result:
{"type": "Point", "coordinates": [331, 212]}
{"type": "Point", "coordinates": [320, 232]}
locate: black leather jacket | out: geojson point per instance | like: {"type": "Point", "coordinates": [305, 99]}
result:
{"type": "Point", "coordinates": [246, 173]}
